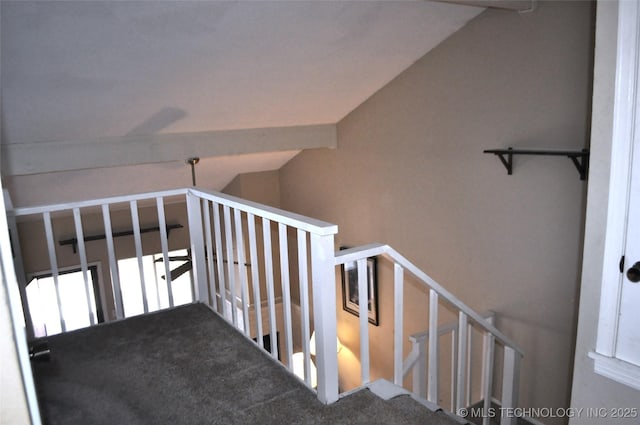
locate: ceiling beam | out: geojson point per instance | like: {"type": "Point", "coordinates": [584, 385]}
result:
{"type": "Point", "coordinates": [46, 157]}
{"type": "Point", "coordinates": [518, 5]}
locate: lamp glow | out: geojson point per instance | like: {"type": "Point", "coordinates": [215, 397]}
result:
{"type": "Point", "coordinates": [312, 344]}
{"type": "Point", "coordinates": [298, 368]}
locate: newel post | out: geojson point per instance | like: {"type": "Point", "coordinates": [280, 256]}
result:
{"type": "Point", "coordinates": [324, 315]}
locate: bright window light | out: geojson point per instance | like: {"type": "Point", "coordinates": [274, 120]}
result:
{"type": "Point", "coordinates": [155, 283]}
{"type": "Point", "coordinates": [43, 302]}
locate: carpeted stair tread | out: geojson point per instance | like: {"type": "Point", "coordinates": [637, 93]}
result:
{"type": "Point", "coordinates": [410, 406]}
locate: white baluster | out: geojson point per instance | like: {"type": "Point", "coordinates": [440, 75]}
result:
{"type": "Point", "coordinates": [242, 268]}
{"type": "Point", "coordinates": [303, 280]}
{"type": "Point", "coordinates": [434, 367]}
{"type": "Point", "coordinates": [164, 244]}
{"type": "Point", "coordinates": [398, 296]}
{"type": "Point", "coordinates": [419, 376]}
{"type": "Point", "coordinates": [209, 247]}
{"type": "Point", "coordinates": [454, 367]}
{"type": "Point", "coordinates": [113, 265]}
{"type": "Point", "coordinates": [48, 228]}
{"type": "Point", "coordinates": [510, 383]}
{"type": "Point", "coordinates": [462, 361]}
{"type": "Point", "coordinates": [196, 239]}
{"type": "Point", "coordinates": [468, 367]}
{"type": "Point", "coordinates": [255, 277]}
{"type": "Point", "coordinates": [363, 305]}
{"type": "Point", "coordinates": [77, 220]}
{"type": "Point", "coordinates": [286, 293]}
{"type": "Point", "coordinates": [220, 260]}
{"type": "Point", "coordinates": [135, 221]}
{"type": "Point", "coordinates": [268, 270]}
{"type": "Point", "coordinates": [487, 374]}
{"type": "Point", "coordinates": [228, 233]}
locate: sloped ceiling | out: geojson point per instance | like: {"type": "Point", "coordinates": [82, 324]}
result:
{"type": "Point", "coordinates": [85, 72]}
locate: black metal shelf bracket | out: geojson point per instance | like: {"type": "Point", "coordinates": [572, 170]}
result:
{"type": "Point", "coordinates": [74, 241]}
{"type": "Point", "coordinates": [579, 158]}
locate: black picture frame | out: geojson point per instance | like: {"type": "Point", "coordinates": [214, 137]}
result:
{"type": "Point", "coordinates": [350, 289]}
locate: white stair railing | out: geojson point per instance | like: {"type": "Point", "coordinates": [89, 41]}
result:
{"type": "Point", "coordinates": [73, 216]}
{"type": "Point", "coordinates": [466, 316]}
{"type": "Point", "coordinates": [415, 363]}
{"type": "Point", "coordinates": [238, 249]}
{"type": "Point", "coordinates": [232, 223]}
{"type": "Point", "coordinates": [224, 243]}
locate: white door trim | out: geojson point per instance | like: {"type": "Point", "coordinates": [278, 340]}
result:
{"type": "Point", "coordinates": [8, 278]}
{"type": "Point", "coordinates": [625, 125]}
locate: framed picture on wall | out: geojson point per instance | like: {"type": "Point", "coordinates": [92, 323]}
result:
{"type": "Point", "coordinates": [350, 295]}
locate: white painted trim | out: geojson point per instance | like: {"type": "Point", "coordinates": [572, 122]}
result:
{"type": "Point", "coordinates": [8, 279]}
{"type": "Point", "coordinates": [113, 264]}
{"type": "Point", "coordinates": [616, 369]}
{"type": "Point", "coordinates": [398, 335]}
{"type": "Point", "coordinates": [148, 196]}
{"type": "Point", "coordinates": [297, 221]}
{"type": "Point", "coordinates": [619, 184]}
{"type": "Point", "coordinates": [323, 283]}
{"type": "Point", "coordinates": [365, 359]}
{"type": "Point", "coordinates": [47, 157]}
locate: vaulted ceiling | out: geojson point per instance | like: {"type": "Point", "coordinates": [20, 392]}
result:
{"type": "Point", "coordinates": [99, 77]}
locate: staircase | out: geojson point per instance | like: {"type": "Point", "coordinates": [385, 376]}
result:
{"type": "Point", "coordinates": [244, 255]}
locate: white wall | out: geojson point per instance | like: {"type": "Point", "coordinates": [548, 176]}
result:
{"type": "Point", "coordinates": [13, 403]}
{"type": "Point", "coordinates": [591, 390]}
{"type": "Point", "coordinates": [409, 171]}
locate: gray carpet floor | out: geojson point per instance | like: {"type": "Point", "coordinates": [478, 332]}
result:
{"type": "Point", "coordinates": [188, 366]}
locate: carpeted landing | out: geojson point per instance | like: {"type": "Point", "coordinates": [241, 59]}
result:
{"type": "Point", "coordinates": [188, 366]}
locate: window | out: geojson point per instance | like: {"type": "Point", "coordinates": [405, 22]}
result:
{"type": "Point", "coordinates": [50, 312]}
{"type": "Point", "coordinates": [155, 282]}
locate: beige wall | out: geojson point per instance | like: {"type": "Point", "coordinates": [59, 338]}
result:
{"type": "Point", "coordinates": [262, 187]}
{"type": "Point", "coordinates": [589, 389]}
{"type": "Point", "coordinates": [409, 171]}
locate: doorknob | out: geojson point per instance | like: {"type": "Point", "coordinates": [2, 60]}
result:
{"type": "Point", "coordinates": [633, 274]}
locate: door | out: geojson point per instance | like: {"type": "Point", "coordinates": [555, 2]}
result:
{"type": "Point", "coordinates": [617, 351]}
{"type": "Point", "coordinates": [621, 329]}
{"type": "Point", "coordinates": [628, 340]}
